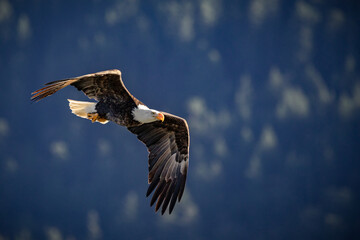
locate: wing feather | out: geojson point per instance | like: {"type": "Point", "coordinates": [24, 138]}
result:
{"type": "Point", "coordinates": [159, 165]}
{"type": "Point", "coordinates": [166, 168]}
{"type": "Point", "coordinates": [152, 186]}
{"type": "Point", "coordinates": [170, 168]}
{"type": "Point", "coordinates": [155, 154]}
{"type": "Point", "coordinates": [182, 185]}
{"type": "Point", "coordinates": [176, 191]}
{"type": "Point", "coordinates": [169, 194]}
{"type": "Point", "coordinates": [159, 194]}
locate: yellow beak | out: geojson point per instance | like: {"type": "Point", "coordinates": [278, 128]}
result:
{"type": "Point", "coordinates": [160, 117]}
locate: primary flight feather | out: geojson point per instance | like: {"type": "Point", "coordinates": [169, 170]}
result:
{"type": "Point", "coordinates": [166, 136]}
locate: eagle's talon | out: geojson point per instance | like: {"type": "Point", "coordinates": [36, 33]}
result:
{"type": "Point", "coordinates": [93, 117]}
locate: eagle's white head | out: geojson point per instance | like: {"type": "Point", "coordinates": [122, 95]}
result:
{"type": "Point", "coordinates": [143, 114]}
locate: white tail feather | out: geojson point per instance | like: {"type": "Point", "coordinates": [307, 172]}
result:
{"type": "Point", "coordinates": [82, 109]}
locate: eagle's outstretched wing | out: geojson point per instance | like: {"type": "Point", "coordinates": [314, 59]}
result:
{"type": "Point", "coordinates": [168, 146]}
{"type": "Point", "coordinates": [100, 85]}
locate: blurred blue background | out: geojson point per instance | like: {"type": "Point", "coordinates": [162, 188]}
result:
{"type": "Point", "coordinates": [270, 88]}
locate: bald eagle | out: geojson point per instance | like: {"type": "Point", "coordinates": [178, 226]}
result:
{"type": "Point", "coordinates": [166, 136]}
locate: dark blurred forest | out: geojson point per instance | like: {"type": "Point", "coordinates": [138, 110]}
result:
{"type": "Point", "coordinates": [270, 89]}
